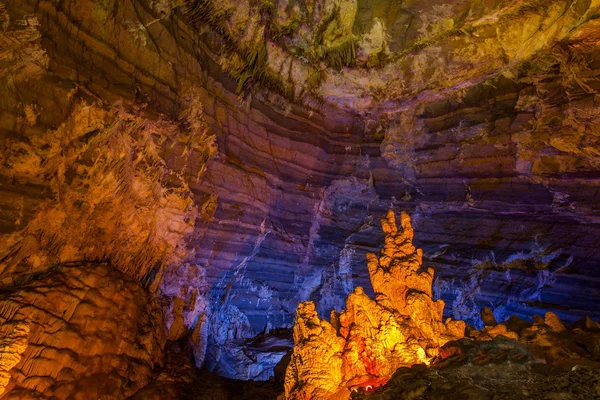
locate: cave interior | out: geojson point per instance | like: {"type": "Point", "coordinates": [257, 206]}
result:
{"type": "Point", "coordinates": [299, 199]}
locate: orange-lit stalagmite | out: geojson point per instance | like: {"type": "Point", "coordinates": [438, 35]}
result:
{"type": "Point", "coordinates": [366, 343]}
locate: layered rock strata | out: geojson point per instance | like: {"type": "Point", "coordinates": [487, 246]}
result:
{"type": "Point", "coordinates": [479, 119]}
{"type": "Point", "coordinates": [507, 219]}
{"type": "Point", "coordinates": [365, 344]}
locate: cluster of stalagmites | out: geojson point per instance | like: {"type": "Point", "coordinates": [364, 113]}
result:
{"type": "Point", "coordinates": [364, 345]}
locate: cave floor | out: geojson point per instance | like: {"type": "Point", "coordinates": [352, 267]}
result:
{"type": "Point", "coordinates": [179, 379]}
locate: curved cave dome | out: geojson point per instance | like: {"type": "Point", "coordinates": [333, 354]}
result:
{"type": "Point", "coordinates": [299, 199]}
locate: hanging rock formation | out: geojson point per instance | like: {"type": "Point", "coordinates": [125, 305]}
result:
{"type": "Point", "coordinates": [366, 343]}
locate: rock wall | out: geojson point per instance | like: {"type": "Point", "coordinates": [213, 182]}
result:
{"type": "Point", "coordinates": [87, 172]}
{"type": "Point", "coordinates": [464, 156]}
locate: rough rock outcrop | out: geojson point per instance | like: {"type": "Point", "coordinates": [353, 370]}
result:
{"type": "Point", "coordinates": [549, 339]}
{"type": "Point", "coordinates": [511, 360]}
{"type": "Point", "coordinates": [367, 342]}
{"type": "Point", "coordinates": [500, 368]}
{"type": "Point", "coordinates": [82, 330]}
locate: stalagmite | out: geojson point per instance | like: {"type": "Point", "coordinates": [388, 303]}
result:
{"type": "Point", "coordinates": [401, 327]}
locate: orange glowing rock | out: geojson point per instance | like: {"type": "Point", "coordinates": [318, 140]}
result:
{"type": "Point", "coordinates": [553, 321]}
{"type": "Point", "coordinates": [319, 346]}
{"type": "Point", "coordinates": [365, 344]}
{"type": "Point", "coordinates": [490, 332]}
{"type": "Point", "coordinates": [13, 344]}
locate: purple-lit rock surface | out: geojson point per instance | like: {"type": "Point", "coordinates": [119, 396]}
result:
{"type": "Point", "coordinates": [235, 158]}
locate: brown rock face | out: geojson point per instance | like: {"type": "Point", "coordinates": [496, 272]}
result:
{"type": "Point", "coordinates": [81, 330]}
{"type": "Point", "coordinates": [370, 340]}
{"type": "Point", "coordinates": [487, 317]}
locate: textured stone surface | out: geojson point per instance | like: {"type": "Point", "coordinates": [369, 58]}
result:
{"type": "Point", "coordinates": [487, 370]}
{"type": "Point", "coordinates": [93, 333]}
{"type": "Point", "coordinates": [88, 172]}
{"type": "Point", "coordinates": [478, 118]}
{"type": "Point", "coordinates": [367, 342]}
{"type": "Point", "coordinates": [532, 361]}
{"type": "Point", "coordinates": [14, 342]}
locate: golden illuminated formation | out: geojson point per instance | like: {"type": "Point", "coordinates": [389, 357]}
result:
{"type": "Point", "coordinates": [14, 342]}
{"type": "Point", "coordinates": [364, 345]}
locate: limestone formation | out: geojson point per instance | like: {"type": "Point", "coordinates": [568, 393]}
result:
{"type": "Point", "coordinates": [232, 155]}
{"type": "Point", "coordinates": [13, 343]}
{"type": "Point", "coordinates": [366, 343]}
{"type": "Point", "coordinates": [317, 360]}
{"type": "Point", "coordinates": [82, 330]}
